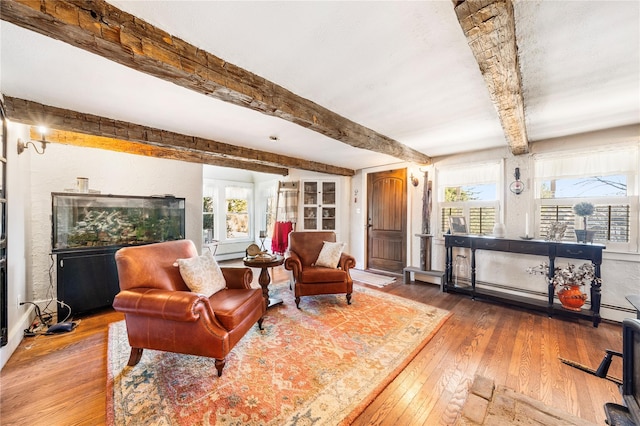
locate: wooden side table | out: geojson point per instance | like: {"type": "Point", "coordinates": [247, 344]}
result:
{"type": "Point", "coordinates": [265, 278]}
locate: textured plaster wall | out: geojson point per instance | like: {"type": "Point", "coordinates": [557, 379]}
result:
{"type": "Point", "coordinates": [110, 173]}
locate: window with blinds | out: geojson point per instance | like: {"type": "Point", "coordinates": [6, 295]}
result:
{"type": "Point", "coordinates": [605, 178]}
{"type": "Point", "coordinates": [470, 192]}
{"type": "Point", "coordinates": [612, 223]}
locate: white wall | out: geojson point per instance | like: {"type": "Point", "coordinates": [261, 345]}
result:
{"type": "Point", "coordinates": [110, 173]}
{"type": "Point", "coordinates": [31, 180]}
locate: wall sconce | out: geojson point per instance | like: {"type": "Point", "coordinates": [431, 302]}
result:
{"type": "Point", "coordinates": [414, 180]}
{"type": "Point", "coordinates": [24, 145]}
{"type": "Point", "coordinates": [517, 186]}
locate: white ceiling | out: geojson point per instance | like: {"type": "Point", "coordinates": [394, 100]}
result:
{"type": "Point", "coordinates": [401, 68]}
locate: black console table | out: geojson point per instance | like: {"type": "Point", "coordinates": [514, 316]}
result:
{"type": "Point", "coordinates": [551, 250]}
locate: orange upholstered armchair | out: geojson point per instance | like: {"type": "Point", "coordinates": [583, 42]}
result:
{"type": "Point", "coordinates": [162, 313]}
{"type": "Point", "coordinates": [312, 277]}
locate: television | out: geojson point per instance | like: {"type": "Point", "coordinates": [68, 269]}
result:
{"type": "Point", "coordinates": [630, 389]}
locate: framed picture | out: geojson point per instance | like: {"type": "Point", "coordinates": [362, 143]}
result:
{"type": "Point", "coordinates": [457, 225]}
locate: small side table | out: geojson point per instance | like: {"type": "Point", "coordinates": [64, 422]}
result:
{"type": "Point", "coordinates": [265, 278]}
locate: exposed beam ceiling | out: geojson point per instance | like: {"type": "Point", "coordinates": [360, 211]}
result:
{"type": "Point", "coordinates": [102, 29]}
{"type": "Point", "coordinates": [119, 145]}
{"type": "Point", "coordinates": [117, 132]}
{"type": "Point", "coordinates": [489, 26]}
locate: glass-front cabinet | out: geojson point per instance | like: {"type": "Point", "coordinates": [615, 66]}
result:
{"type": "Point", "coordinates": [319, 209]}
{"type": "Point", "coordinates": [94, 220]}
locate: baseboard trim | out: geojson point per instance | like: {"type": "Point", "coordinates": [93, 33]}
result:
{"type": "Point", "coordinates": [16, 334]}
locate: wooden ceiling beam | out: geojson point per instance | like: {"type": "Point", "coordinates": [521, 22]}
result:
{"type": "Point", "coordinates": [119, 145]}
{"type": "Point", "coordinates": [36, 114]}
{"type": "Point", "coordinates": [490, 28]}
{"type": "Point", "coordinates": [102, 29]}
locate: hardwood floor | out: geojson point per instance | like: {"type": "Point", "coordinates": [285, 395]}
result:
{"type": "Point", "coordinates": [61, 380]}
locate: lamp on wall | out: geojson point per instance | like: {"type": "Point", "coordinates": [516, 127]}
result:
{"type": "Point", "coordinates": [517, 186]}
{"type": "Point", "coordinates": [22, 145]}
{"type": "Point", "coordinates": [414, 180]}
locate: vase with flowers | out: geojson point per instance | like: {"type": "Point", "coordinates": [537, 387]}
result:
{"type": "Point", "coordinates": [584, 210]}
{"type": "Point", "coordinates": [569, 282]}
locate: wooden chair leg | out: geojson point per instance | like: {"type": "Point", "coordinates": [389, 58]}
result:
{"type": "Point", "coordinates": [134, 357]}
{"type": "Point", "coordinates": [260, 323]}
{"type": "Point", "coordinates": [220, 365]}
{"type": "Point", "coordinates": [298, 302]}
{"type": "Point", "coordinates": [349, 299]}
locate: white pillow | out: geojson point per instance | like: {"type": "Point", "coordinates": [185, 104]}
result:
{"type": "Point", "coordinates": [202, 274]}
{"type": "Point", "coordinates": [330, 254]}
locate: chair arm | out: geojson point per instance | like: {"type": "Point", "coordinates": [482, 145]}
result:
{"type": "Point", "coordinates": [293, 263]}
{"type": "Point", "coordinates": [346, 262]}
{"type": "Point", "coordinates": [237, 277]}
{"type": "Point", "coordinates": [169, 305]}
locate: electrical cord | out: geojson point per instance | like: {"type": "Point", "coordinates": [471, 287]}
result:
{"type": "Point", "coordinates": [36, 327]}
{"type": "Point", "coordinates": [45, 316]}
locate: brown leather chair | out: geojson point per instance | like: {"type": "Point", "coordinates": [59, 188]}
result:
{"type": "Point", "coordinates": [310, 279]}
{"type": "Point", "coordinates": [163, 314]}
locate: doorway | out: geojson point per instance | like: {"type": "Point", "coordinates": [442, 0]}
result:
{"type": "Point", "coordinates": [387, 221]}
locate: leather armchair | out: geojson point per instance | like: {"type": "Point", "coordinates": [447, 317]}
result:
{"type": "Point", "coordinates": [309, 279]}
{"type": "Point", "coordinates": [163, 314]}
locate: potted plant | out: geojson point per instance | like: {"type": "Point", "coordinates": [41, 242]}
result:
{"type": "Point", "coordinates": [569, 281]}
{"type": "Point", "coordinates": [584, 210]}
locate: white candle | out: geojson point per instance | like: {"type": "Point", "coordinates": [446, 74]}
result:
{"type": "Point", "coordinates": [526, 224]}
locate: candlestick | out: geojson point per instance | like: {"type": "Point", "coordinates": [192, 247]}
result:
{"type": "Point", "coordinates": [526, 225]}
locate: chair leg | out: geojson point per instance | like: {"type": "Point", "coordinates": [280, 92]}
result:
{"type": "Point", "coordinates": [260, 323]}
{"type": "Point", "coordinates": [348, 298]}
{"type": "Point", "coordinates": [220, 365]}
{"type": "Point", "coordinates": [298, 302]}
{"type": "Point", "coordinates": [134, 357]}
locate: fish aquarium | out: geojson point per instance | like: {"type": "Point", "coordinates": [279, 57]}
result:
{"type": "Point", "coordinates": [95, 220]}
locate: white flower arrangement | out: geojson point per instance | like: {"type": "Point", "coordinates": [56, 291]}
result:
{"type": "Point", "coordinates": [567, 276]}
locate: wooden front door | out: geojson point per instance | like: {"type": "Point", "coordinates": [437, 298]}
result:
{"type": "Point", "coordinates": [387, 220]}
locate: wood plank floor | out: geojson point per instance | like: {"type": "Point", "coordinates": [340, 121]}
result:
{"type": "Point", "coordinates": [61, 380]}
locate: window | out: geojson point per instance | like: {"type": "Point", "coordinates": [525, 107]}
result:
{"type": "Point", "coordinates": [208, 234]}
{"type": "Point", "coordinates": [226, 211]}
{"type": "Point", "coordinates": [470, 192]}
{"type": "Point", "coordinates": [605, 178]}
{"type": "Point", "coordinates": [237, 219]}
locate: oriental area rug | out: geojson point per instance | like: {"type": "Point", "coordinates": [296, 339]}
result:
{"type": "Point", "coordinates": [318, 365]}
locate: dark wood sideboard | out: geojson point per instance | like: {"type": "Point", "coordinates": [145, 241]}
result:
{"type": "Point", "coordinates": [548, 249]}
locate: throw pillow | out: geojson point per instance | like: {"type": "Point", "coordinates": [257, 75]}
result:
{"type": "Point", "coordinates": [202, 274]}
{"type": "Point", "coordinates": [330, 254]}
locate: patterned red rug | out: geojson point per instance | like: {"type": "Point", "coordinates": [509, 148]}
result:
{"type": "Point", "coordinates": [321, 364]}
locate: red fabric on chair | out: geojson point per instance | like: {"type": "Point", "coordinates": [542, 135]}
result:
{"type": "Point", "coordinates": [280, 238]}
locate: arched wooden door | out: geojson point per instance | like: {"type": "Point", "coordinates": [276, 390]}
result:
{"type": "Point", "coordinates": [387, 220]}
